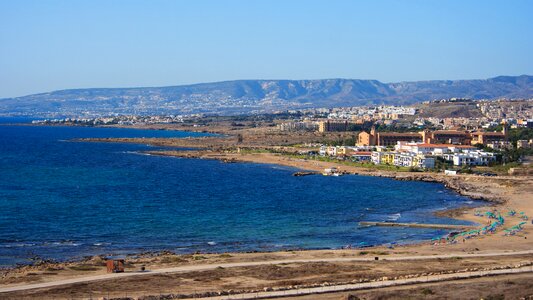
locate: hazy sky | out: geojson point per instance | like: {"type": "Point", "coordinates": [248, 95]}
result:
{"type": "Point", "coordinates": [51, 45]}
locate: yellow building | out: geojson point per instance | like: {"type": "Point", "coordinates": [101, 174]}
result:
{"type": "Point", "coordinates": [388, 158]}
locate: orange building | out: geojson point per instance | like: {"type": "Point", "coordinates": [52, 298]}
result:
{"type": "Point", "coordinates": [485, 138]}
{"type": "Point", "coordinates": [455, 137]}
{"type": "Point", "coordinates": [386, 138]}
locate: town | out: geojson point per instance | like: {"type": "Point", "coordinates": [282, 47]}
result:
{"type": "Point", "coordinates": [419, 137]}
{"type": "Point", "coordinates": [408, 139]}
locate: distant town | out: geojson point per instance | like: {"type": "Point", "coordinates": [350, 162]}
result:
{"type": "Point", "coordinates": [440, 134]}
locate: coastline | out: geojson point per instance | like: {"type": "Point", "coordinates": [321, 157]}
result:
{"type": "Point", "coordinates": [221, 148]}
{"type": "Point", "coordinates": [501, 192]}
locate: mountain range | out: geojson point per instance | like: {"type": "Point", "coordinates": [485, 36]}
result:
{"type": "Point", "coordinates": [257, 96]}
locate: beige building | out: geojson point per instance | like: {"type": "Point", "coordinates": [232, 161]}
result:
{"type": "Point", "coordinates": [330, 126]}
{"type": "Point", "coordinates": [485, 137]}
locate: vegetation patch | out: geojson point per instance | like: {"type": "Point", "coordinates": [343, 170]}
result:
{"type": "Point", "coordinates": [199, 257]}
{"type": "Point", "coordinates": [427, 291]}
{"type": "Point", "coordinates": [172, 259]}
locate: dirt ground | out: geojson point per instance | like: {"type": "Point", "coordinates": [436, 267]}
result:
{"type": "Point", "coordinates": [265, 276]}
{"type": "Point", "coordinates": [495, 288]}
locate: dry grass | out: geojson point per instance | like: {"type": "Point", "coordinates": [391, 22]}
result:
{"type": "Point", "coordinates": [258, 277]}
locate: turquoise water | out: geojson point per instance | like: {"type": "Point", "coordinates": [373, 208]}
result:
{"type": "Point", "coordinates": [64, 200]}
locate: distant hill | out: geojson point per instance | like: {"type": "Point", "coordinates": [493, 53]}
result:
{"type": "Point", "coordinates": [248, 96]}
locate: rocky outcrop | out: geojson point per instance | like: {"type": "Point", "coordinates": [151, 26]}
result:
{"type": "Point", "coordinates": [305, 173]}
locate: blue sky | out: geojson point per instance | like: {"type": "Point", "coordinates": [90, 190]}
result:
{"type": "Point", "coordinates": [51, 45]}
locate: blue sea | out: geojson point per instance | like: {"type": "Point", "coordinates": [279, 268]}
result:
{"type": "Point", "coordinates": [61, 199]}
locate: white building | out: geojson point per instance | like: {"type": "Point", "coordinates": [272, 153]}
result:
{"type": "Point", "coordinates": [323, 150]}
{"type": "Point", "coordinates": [331, 151]}
{"type": "Point", "coordinates": [473, 158]}
{"type": "Point", "coordinates": [433, 149]}
{"type": "Point", "coordinates": [423, 155]}
{"type": "Point", "coordinates": [403, 159]}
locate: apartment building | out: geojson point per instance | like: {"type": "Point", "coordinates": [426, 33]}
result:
{"type": "Point", "coordinates": [403, 159]}
{"type": "Point", "coordinates": [473, 158]}
{"type": "Point", "coordinates": [332, 126]}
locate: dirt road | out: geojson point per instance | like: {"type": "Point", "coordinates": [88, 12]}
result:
{"type": "Point", "coordinates": [205, 267]}
{"type": "Point", "coordinates": [371, 285]}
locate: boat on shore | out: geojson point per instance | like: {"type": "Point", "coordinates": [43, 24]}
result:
{"type": "Point", "coordinates": [333, 171]}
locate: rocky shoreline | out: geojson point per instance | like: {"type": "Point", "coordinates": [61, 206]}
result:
{"type": "Point", "coordinates": [453, 183]}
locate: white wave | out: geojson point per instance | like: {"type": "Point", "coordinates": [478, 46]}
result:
{"type": "Point", "coordinates": [135, 152]}
{"type": "Point", "coordinates": [394, 217]}
{"type": "Point", "coordinates": [101, 244]}
{"type": "Point", "coordinates": [65, 243]}
{"type": "Point", "coordinates": [17, 245]}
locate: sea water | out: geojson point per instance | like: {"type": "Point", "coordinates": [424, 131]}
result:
{"type": "Point", "coordinates": [61, 199]}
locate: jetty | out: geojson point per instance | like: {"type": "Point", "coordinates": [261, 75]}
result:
{"type": "Point", "coordinates": [419, 225]}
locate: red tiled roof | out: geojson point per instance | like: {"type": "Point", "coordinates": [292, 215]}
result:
{"type": "Point", "coordinates": [362, 153]}
{"type": "Point", "coordinates": [450, 132]}
{"type": "Point", "coordinates": [488, 133]}
{"type": "Point", "coordinates": [442, 145]}
{"type": "Point", "coordinates": [409, 134]}
{"type": "Point", "coordinates": [462, 146]}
